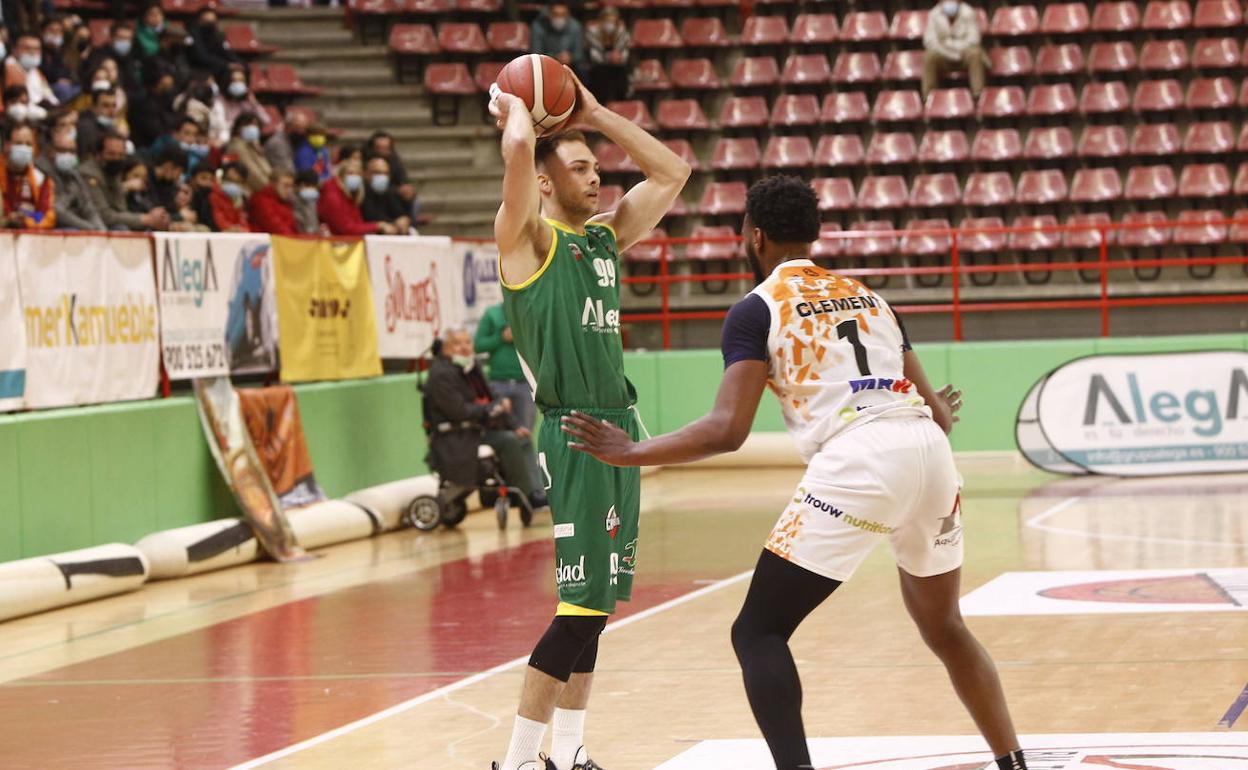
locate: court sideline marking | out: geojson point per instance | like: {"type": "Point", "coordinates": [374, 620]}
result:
{"type": "Point", "coordinates": [1232, 714]}
{"type": "Point", "coordinates": [407, 705]}
{"type": "Point", "coordinates": [1036, 522]}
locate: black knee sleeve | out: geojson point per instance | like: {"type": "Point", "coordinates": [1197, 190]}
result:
{"type": "Point", "coordinates": [568, 639]}
{"type": "Point", "coordinates": [589, 657]}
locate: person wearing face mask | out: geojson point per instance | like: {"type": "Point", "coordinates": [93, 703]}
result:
{"type": "Point", "coordinates": [136, 182]}
{"type": "Point", "coordinates": [202, 102]}
{"type": "Point", "coordinates": [188, 136]}
{"type": "Point", "coordinates": [58, 75]}
{"type": "Point", "coordinates": [280, 147]}
{"type": "Point", "coordinates": [229, 202]}
{"type": "Point", "coordinates": [313, 155]}
{"type": "Point", "coordinates": [104, 177]}
{"type": "Point", "coordinates": [238, 99]}
{"type": "Point", "coordinates": [22, 69]}
{"type": "Point", "coordinates": [18, 109]}
{"type": "Point", "coordinates": [28, 194]}
{"type": "Point", "coordinates": [151, 26]}
{"type": "Point", "coordinates": [608, 42]}
{"type": "Point", "coordinates": [75, 208]}
{"type": "Point", "coordinates": [167, 170]}
{"type": "Point", "coordinates": [213, 206]}
{"type": "Point", "coordinates": [381, 201]}
{"type": "Point", "coordinates": [952, 41]}
{"type": "Point", "coordinates": [339, 205]}
{"type": "Point", "coordinates": [307, 194]}
{"type": "Point", "coordinates": [208, 49]}
{"type": "Point", "coordinates": [245, 145]}
{"type": "Point", "coordinates": [272, 209]}
{"type": "Point", "coordinates": [557, 35]}
{"type": "Point", "coordinates": [101, 118]}
{"type": "Point", "coordinates": [151, 114]}
{"type": "Point", "coordinates": [125, 70]}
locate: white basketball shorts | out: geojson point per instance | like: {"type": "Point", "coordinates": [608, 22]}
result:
{"type": "Point", "coordinates": [890, 478]}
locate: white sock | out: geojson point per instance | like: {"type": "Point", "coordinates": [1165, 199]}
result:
{"type": "Point", "coordinates": [526, 739]}
{"type": "Point", "coordinates": [567, 735]}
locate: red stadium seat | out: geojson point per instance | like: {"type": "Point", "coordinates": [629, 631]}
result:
{"type": "Point", "coordinates": [988, 188]}
{"type": "Point", "coordinates": [510, 36]}
{"type": "Point", "coordinates": [788, 152]}
{"type": "Point", "coordinates": [242, 38]}
{"type": "Point", "coordinates": [718, 249]}
{"type": "Point", "coordinates": [1056, 99]}
{"type": "Point", "coordinates": [1167, 14]}
{"type": "Point", "coordinates": [284, 80]}
{"type": "Point", "coordinates": [479, 6]}
{"type": "Point", "coordinates": [972, 241]}
{"type": "Point", "coordinates": [908, 25]}
{"type": "Point", "coordinates": [864, 26]}
{"type": "Point", "coordinates": [1150, 183]}
{"type": "Point", "coordinates": [1095, 185]}
{"type": "Point", "coordinates": [486, 74]}
{"type": "Point", "coordinates": [1038, 187]}
{"type": "Point", "coordinates": [1204, 180]}
{"type": "Point", "coordinates": [1103, 142]}
{"type": "Point", "coordinates": [917, 243]}
{"type": "Point", "coordinates": [414, 40]}
{"type": "Point", "coordinates": [887, 149]}
{"type": "Point", "coordinates": [1212, 138]}
{"type": "Point", "coordinates": [1112, 57]}
{"type": "Point", "coordinates": [723, 198]}
{"type": "Point", "coordinates": [656, 33]}
{"type": "Point", "coordinates": [1216, 53]}
{"type": "Point", "coordinates": [735, 154]}
{"type": "Point", "coordinates": [856, 68]}
{"type": "Point", "coordinates": [1065, 59]}
{"type": "Point", "coordinates": [949, 104]}
{"type": "Point", "coordinates": [462, 38]}
{"type": "Point", "coordinates": [903, 65]}
{"type": "Point", "coordinates": [635, 111]}
{"type": "Point", "coordinates": [651, 76]}
{"type": "Point", "coordinates": [743, 112]}
{"type": "Point", "coordinates": [430, 7]}
{"type": "Point", "coordinates": [1217, 14]}
{"type": "Point", "coordinates": [612, 159]}
{"type": "Point", "coordinates": [995, 144]}
{"type": "Point", "coordinates": [695, 74]}
{"type": "Point", "coordinates": [750, 72]}
{"type": "Point", "coordinates": [1242, 144]}
{"type": "Point", "coordinates": [897, 106]}
{"type": "Point", "coordinates": [451, 79]}
{"type": "Point", "coordinates": [678, 209]}
{"type": "Point", "coordinates": [1086, 239]}
{"type": "Point", "coordinates": [1100, 98]}
{"type": "Point", "coordinates": [1239, 230]}
{"type": "Point", "coordinates": [883, 192]}
{"type": "Point", "coordinates": [815, 29]}
{"type": "Point", "coordinates": [795, 110]}
{"type": "Point", "coordinates": [1119, 16]}
{"type": "Point", "coordinates": [1198, 228]}
{"type": "Point", "coordinates": [840, 150]}
{"type": "Point", "coordinates": [844, 107]}
{"type": "Point", "coordinates": [704, 32]}
{"type": "Point", "coordinates": [683, 150]}
{"type": "Point", "coordinates": [871, 245]}
{"type": "Point", "coordinates": [1010, 61]}
{"type": "Point", "coordinates": [1138, 237]}
{"type": "Point", "coordinates": [1211, 93]}
{"type": "Point", "coordinates": [1243, 91]}
{"type": "Point", "coordinates": [1154, 139]}
{"type": "Point", "coordinates": [829, 245]}
{"type": "Point", "coordinates": [806, 70]}
{"type": "Point", "coordinates": [1014, 20]}
{"type": "Point", "coordinates": [682, 115]}
{"type": "Point", "coordinates": [649, 252]}
{"type": "Point", "coordinates": [935, 190]}
{"type": "Point", "coordinates": [1163, 56]}
{"type": "Point", "coordinates": [765, 30]}
{"type": "Point", "coordinates": [1049, 144]}
{"type": "Point", "coordinates": [835, 193]}
{"type": "Point", "coordinates": [1158, 96]}
{"type": "Point", "coordinates": [944, 147]}
{"type": "Point", "coordinates": [1002, 102]}
{"type": "Point", "coordinates": [1065, 19]}
{"type": "Point", "coordinates": [1039, 234]}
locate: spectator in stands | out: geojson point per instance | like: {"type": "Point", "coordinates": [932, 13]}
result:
{"type": "Point", "coordinates": [556, 34]}
{"type": "Point", "coordinates": [381, 144]}
{"type": "Point", "coordinates": [234, 187]}
{"type": "Point", "coordinates": [103, 175]}
{"type": "Point", "coordinates": [152, 114]}
{"type": "Point", "coordinates": [952, 41]}
{"type": "Point", "coordinates": [272, 209]}
{"type": "Point", "coordinates": [280, 147]}
{"type": "Point", "coordinates": [213, 205]}
{"type": "Point", "coordinates": [75, 207]}
{"type": "Point", "coordinates": [202, 101]}
{"type": "Point", "coordinates": [65, 120]}
{"type": "Point", "coordinates": [208, 49]}
{"type": "Point", "coordinates": [339, 204]}
{"type": "Point", "coordinates": [125, 70]}
{"type": "Point", "coordinates": [151, 27]}
{"type": "Point", "coordinates": [135, 181]}
{"type": "Point", "coordinates": [167, 170]}
{"type": "Point", "coordinates": [101, 118]}
{"type": "Point", "coordinates": [506, 377]}
{"type": "Point", "coordinates": [77, 47]}
{"type": "Point", "coordinates": [245, 146]}
{"type": "Point", "coordinates": [313, 155]}
{"type": "Point", "coordinates": [22, 69]}
{"type": "Point", "coordinates": [18, 109]}
{"type": "Point", "coordinates": [307, 193]}
{"type": "Point", "coordinates": [58, 75]}
{"type": "Point", "coordinates": [28, 194]}
{"type": "Point", "coordinates": [186, 218]}
{"type": "Point", "coordinates": [172, 56]}
{"type": "Point", "coordinates": [381, 201]}
{"type": "Point", "coordinates": [190, 138]}
{"type": "Point", "coordinates": [238, 99]}
{"type": "Point", "coordinates": [608, 42]}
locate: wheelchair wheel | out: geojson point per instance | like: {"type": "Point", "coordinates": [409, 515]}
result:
{"type": "Point", "coordinates": [424, 513]}
{"type": "Point", "coordinates": [526, 509]}
{"type": "Point", "coordinates": [488, 495]}
{"type": "Point", "coordinates": [455, 513]}
{"type": "Point", "coordinates": [500, 511]}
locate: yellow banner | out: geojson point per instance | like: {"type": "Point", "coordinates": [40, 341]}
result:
{"type": "Point", "coordinates": [326, 321]}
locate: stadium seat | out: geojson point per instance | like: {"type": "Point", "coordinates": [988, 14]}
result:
{"type": "Point", "coordinates": [1163, 56]}
{"type": "Point", "coordinates": [1095, 185]}
{"type": "Point", "coordinates": [835, 193]}
{"type": "Point", "coordinates": [897, 106]}
{"type": "Point", "coordinates": [1047, 100]}
{"type": "Point", "coordinates": [612, 159]}
{"type": "Point", "coordinates": [765, 31]}
{"type": "Point", "coordinates": [1065, 19]}
{"type": "Point", "coordinates": [648, 252]}
{"type": "Point", "coordinates": [743, 112]}
{"type": "Point", "coordinates": [871, 245]}
{"type": "Point", "coordinates": [1119, 16]}
{"type": "Point", "coordinates": [1155, 139]}
{"type": "Point", "coordinates": [1167, 15]}
{"type": "Point", "coordinates": [972, 241]}
{"type": "Point", "coordinates": [1212, 138]}
{"type": "Point", "coordinates": [1158, 96]}
{"type": "Point", "coordinates": [683, 150]}
{"type": "Point", "coordinates": [1002, 102]}
{"type": "Point", "coordinates": [650, 76]}
{"type": "Point", "coordinates": [695, 75]}
{"type": "Point", "coordinates": [806, 70]}
{"type": "Point", "coordinates": [944, 147]}
{"type": "Point", "coordinates": [1010, 61]}
{"type": "Point", "coordinates": [486, 74]}
{"type": "Point", "coordinates": [1138, 237]}
{"type": "Point", "coordinates": [284, 80]}
{"type": "Point", "coordinates": [635, 112]}
{"type": "Point", "coordinates": [1243, 91]}
{"type": "Point", "coordinates": [719, 249]}
{"type": "Point", "coordinates": [681, 115]}
{"type": "Point", "coordinates": [510, 36]}
{"type": "Point", "coordinates": [1204, 180]}
{"type": "Point", "coordinates": [751, 72]}
{"type": "Point", "coordinates": [242, 39]}
{"type": "Point", "coordinates": [883, 192]}
{"type": "Point", "coordinates": [1086, 239]}
{"type": "Point", "coordinates": [678, 208]}
{"type": "Point", "coordinates": [1038, 234]}
{"type": "Point", "coordinates": [1217, 14]}
{"type": "Point", "coordinates": [1038, 187]}
{"type": "Point", "coordinates": [656, 33]}
{"type": "Point", "coordinates": [425, 7]}
{"type": "Point", "coordinates": [788, 152]}
{"type": "Point", "coordinates": [900, 66]}
{"type": "Point", "coordinates": [1014, 21]}
{"type": "Point", "coordinates": [1242, 144]}
{"type": "Point", "coordinates": [1241, 180]}
{"type": "Point", "coordinates": [1102, 142]}
{"type": "Point", "coordinates": [949, 104]}
{"type": "Point", "coordinates": [723, 198]}
{"type": "Point", "coordinates": [465, 38]}
{"type": "Point", "coordinates": [1198, 228]}
{"type": "Point", "coordinates": [917, 243]}
{"type": "Point", "coordinates": [1211, 93]}
{"type": "Point", "coordinates": [448, 79]}
{"type": "Point", "coordinates": [1150, 183]}
{"type": "Point", "coordinates": [815, 29]}
{"type": "Point", "coordinates": [844, 107]}
{"type": "Point", "coordinates": [1112, 57]}
{"type": "Point", "coordinates": [795, 110]}
{"type": "Point", "coordinates": [935, 191]}
{"type": "Point", "coordinates": [856, 68]}
{"type": "Point", "coordinates": [413, 40]}
{"type": "Point", "coordinates": [996, 144]}
{"type": "Point", "coordinates": [1100, 98]}
{"type": "Point", "coordinates": [734, 154]}
{"type": "Point", "coordinates": [704, 32]}
{"type": "Point", "coordinates": [1049, 144]}
{"type": "Point", "coordinates": [887, 149]}
{"type": "Point", "coordinates": [908, 25]}
{"type": "Point", "coordinates": [479, 6]}
{"type": "Point", "coordinates": [989, 188]}
{"type": "Point", "coordinates": [1216, 53]}
{"type": "Point", "coordinates": [1064, 59]}
{"type": "Point", "coordinates": [840, 150]}
{"type": "Point", "coordinates": [864, 26]}
{"type": "Point", "coordinates": [829, 245]}
{"type": "Point", "coordinates": [1239, 230]}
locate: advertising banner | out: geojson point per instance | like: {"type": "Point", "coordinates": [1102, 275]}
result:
{"type": "Point", "coordinates": [481, 289]}
{"type": "Point", "coordinates": [92, 327]}
{"type": "Point", "coordinates": [327, 324]}
{"type": "Point", "coordinates": [417, 291]}
{"type": "Point", "coordinates": [1032, 441]}
{"type": "Point", "coordinates": [192, 305]}
{"type": "Point", "coordinates": [272, 417]}
{"type": "Point", "coordinates": [251, 318]}
{"type": "Point", "coordinates": [13, 342]}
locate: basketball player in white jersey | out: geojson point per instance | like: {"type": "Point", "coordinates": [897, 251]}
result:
{"type": "Point", "coordinates": [872, 430]}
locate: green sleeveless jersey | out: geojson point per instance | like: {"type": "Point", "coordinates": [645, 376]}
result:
{"type": "Point", "coordinates": [565, 321]}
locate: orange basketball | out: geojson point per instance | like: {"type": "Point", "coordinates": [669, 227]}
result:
{"type": "Point", "coordinates": [544, 86]}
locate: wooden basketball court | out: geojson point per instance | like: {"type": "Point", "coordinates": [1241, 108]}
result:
{"type": "Point", "coordinates": [406, 651]}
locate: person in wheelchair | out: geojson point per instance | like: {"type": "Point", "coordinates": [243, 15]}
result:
{"type": "Point", "coordinates": [463, 412]}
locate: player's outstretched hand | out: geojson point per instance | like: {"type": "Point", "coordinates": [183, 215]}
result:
{"type": "Point", "coordinates": [586, 103]}
{"type": "Point", "coordinates": [953, 398]}
{"type": "Point", "coordinates": [501, 104]}
{"type": "Point", "coordinates": [598, 438]}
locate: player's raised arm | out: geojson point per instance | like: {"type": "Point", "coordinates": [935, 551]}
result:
{"type": "Point", "coordinates": [518, 226]}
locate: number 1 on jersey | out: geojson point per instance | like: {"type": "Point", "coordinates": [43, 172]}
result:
{"type": "Point", "coordinates": [849, 330]}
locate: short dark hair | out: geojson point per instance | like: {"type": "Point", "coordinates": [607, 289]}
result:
{"type": "Point", "coordinates": [97, 94]}
{"type": "Point", "coordinates": [547, 145]}
{"type": "Point", "coordinates": [111, 135]}
{"type": "Point", "coordinates": [784, 208]}
{"type": "Point", "coordinates": [172, 154]}
{"type": "Point", "coordinates": [307, 177]}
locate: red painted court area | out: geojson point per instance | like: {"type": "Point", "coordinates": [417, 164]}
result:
{"type": "Point", "coordinates": [241, 689]}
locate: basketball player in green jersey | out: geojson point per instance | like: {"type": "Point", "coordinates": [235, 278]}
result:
{"type": "Point", "coordinates": [559, 266]}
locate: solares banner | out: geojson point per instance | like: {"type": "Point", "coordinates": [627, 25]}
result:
{"type": "Point", "coordinates": [418, 289]}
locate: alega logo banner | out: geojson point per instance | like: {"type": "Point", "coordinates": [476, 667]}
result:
{"type": "Point", "coordinates": [417, 291]}
{"type": "Point", "coordinates": [92, 327]}
{"type": "Point", "coordinates": [12, 343]}
{"type": "Point", "coordinates": [189, 276]}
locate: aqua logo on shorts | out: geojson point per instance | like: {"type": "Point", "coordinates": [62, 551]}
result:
{"type": "Point", "coordinates": [951, 525]}
{"type": "Point", "coordinates": [570, 574]}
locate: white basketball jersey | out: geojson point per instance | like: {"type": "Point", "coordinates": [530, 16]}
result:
{"type": "Point", "coordinates": [834, 354]}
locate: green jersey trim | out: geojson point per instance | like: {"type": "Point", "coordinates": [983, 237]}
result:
{"type": "Point", "coordinates": [550, 257]}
